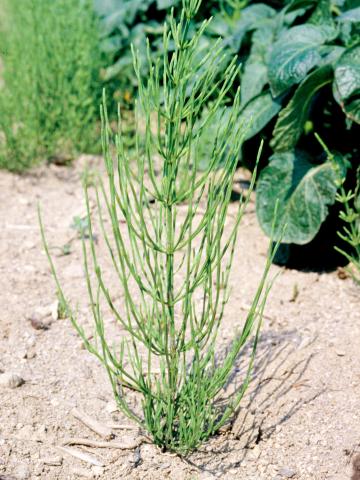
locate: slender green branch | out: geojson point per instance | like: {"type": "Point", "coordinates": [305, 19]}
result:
{"type": "Point", "coordinates": [171, 245]}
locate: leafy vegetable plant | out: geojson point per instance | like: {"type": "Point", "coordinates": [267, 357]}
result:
{"type": "Point", "coordinates": [296, 58]}
{"type": "Point", "coordinates": [299, 75]}
{"type": "Point", "coordinates": [171, 248]}
{"type": "Point", "coordinates": [50, 94]}
{"type": "Point", "coordinates": [308, 57]}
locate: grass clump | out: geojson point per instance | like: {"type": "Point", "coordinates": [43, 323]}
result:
{"type": "Point", "coordinates": [49, 93]}
{"type": "Point", "coordinates": [173, 254]}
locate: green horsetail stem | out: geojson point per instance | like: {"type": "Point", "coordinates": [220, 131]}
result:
{"type": "Point", "coordinates": [171, 247]}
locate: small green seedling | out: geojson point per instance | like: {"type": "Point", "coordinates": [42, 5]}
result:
{"type": "Point", "coordinates": [62, 310]}
{"type": "Point", "coordinates": [81, 225]}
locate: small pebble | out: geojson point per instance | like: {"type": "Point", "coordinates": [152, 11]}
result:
{"type": "Point", "coordinates": [287, 472]}
{"type": "Point", "coordinates": [340, 353]}
{"type": "Point", "coordinates": [39, 323]}
{"type": "Point", "coordinates": [136, 459]}
{"type": "Point", "coordinates": [11, 380]}
{"type": "Point", "coordinates": [42, 317]}
{"type": "Point", "coordinates": [30, 353]}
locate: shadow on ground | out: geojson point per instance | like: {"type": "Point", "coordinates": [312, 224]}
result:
{"type": "Point", "coordinates": [277, 392]}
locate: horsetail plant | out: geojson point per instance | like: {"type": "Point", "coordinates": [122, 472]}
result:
{"type": "Point", "coordinates": [350, 215]}
{"type": "Point", "coordinates": [171, 248]}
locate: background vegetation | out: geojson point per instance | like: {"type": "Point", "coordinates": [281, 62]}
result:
{"type": "Point", "coordinates": [300, 64]}
{"type": "Point", "coordinates": [299, 75]}
{"type": "Point", "coordinates": [50, 95]}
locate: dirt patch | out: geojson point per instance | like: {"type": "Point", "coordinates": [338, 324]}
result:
{"type": "Point", "coordinates": [300, 420]}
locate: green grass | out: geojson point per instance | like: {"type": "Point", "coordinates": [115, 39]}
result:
{"type": "Point", "coordinates": [50, 94]}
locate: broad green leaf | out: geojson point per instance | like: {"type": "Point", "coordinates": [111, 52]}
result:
{"type": "Point", "coordinates": [262, 40]}
{"type": "Point", "coordinates": [315, 34]}
{"type": "Point", "coordinates": [347, 73]}
{"type": "Point", "coordinates": [352, 109]}
{"type": "Point", "coordinates": [292, 118]}
{"type": "Point", "coordinates": [295, 53]}
{"type": "Point", "coordinates": [350, 4]}
{"type": "Point", "coordinates": [258, 113]}
{"type": "Point", "coordinates": [330, 54]}
{"type": "Point", "coordinates": [253, 80]}
{"type": "Point", "coordinates": [254, 117]}
{"type": "Point", "coordinates": [164, 4]}
{"type": "Point", "coordinates": [106, 7]}
{"type": "Point", "coordinates": [289, 18]}
{"type": "Point", "coordinates": [303, 192]}
{"type": "Point", "coordinates": [221, 25]}
{"type": "Point", "coordinates": [114, 20]}
{"type": "Point", "coordinates": [138, 39]}
{"type": "Point", "coordinates": [322, 14]}
{"type": "Point", "coordinates": [346, 35]}
{"type": "Point", "coordinates": [352, 15]}
{"type": "Point", "coordinates": [255, 74]}
{"type": "Point", "coordinates": [115, 14]}
{"type": "Point", "coordinates": [255, 13]}
{"type": "Point", "coordinates": [248, 19]}
{"type": "Point", "coordinates": [111, 44]}
{"type": "Point", "coordinates": [346, 87]}
{"type": "Point", "coordinates": [300, 4]}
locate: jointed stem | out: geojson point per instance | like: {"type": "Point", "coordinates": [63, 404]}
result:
{"type": "Point", "coordinates": [174, 272]}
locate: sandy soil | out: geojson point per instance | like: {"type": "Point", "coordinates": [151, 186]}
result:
{"type": "Point", "coordinates": [300, 420]}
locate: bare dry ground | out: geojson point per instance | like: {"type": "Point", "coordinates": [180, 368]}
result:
{"type": "Point", "coordinates": [300, 420]}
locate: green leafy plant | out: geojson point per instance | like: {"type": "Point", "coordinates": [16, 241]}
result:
{"type": "Point", "coordinates": [50, 95]}
{"type": "Point", "coordinates": [350, 234]}
{"type": "Point", "coordinates": [62, 310]}
{"type": "Point", "coordinates": [299, 75]}
{"type": "Point", "coordinates": [171, 249]}
{"type": "Point", "coordinates": [311, 68]}
{"type": "Point", "coordinates": [81, 225]}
